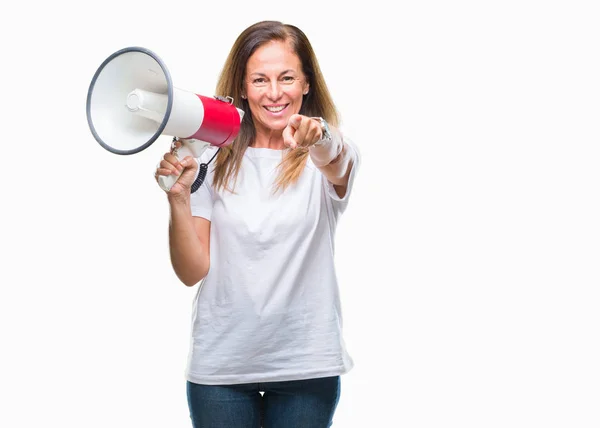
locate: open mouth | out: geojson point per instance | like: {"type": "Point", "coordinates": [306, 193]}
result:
{"type": "Point", "coordinates": [276, 108]}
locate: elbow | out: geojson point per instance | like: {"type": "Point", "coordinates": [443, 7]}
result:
{"type": "Point", "coordinates": [191, 280]}
{"type": "Point", "coordinates": [189, 283]}
{"type": "Point", "coordinates": [195, 279]}
{"type": "Point", "coordinates": [190, 272]}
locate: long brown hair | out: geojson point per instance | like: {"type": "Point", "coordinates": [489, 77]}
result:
{"type": "Point", "coordinates": [317, 102]}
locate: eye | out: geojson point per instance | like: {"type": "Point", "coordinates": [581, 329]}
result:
{"type": "Point", "coordinates": [259, 80]}
{"type": "Point", "coordinates": [288, 79]}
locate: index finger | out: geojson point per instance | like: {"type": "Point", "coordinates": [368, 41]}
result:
{"type": "Point", "coordinates": [175, 144]}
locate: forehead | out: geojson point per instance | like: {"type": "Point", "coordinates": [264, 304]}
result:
{"type": "Point", "coordinates": [273, 57]}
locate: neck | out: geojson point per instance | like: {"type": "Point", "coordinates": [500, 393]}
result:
{"type": "Point", "coordinates": [270, 139]}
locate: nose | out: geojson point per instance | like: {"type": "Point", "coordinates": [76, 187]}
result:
{"type": "Point", "coordinates": [274, 90]}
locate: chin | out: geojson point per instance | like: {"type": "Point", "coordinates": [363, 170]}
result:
{"type": "Point", "coordinates": [279, 124]}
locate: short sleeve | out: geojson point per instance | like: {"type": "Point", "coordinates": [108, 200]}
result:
{"type": "Point", "coordinates": [341, 203]}
{"type": "Point", "coordinates": [202, 199]}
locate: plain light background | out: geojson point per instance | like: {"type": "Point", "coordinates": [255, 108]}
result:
{"type": "Point", "coordinates": [468, 257]}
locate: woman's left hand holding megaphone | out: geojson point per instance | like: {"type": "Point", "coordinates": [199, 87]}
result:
{"type": "Point", "coordinates": [171, 165]}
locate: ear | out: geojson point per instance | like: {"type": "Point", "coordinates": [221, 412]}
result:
{"type": "Point", "coordinates": [305, 89]}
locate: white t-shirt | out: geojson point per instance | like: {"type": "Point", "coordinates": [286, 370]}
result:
{"type": "Point", "coordinates": [269, 308]}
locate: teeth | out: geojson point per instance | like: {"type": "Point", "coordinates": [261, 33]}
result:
{"type": "Point", "coordinates": [275, 109]}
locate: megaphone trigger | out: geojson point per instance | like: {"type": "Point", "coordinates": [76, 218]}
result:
{"type": "Point", "coordinates": [174, 146]}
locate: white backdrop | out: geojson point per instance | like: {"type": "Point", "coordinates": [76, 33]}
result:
{"type": "Point", "coordinates": [468, 256]}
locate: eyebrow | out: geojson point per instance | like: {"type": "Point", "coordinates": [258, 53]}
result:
{"type": "Point", "coordinates": [281, 74]}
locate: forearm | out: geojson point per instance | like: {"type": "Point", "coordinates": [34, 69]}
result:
{"type": "Point", "coordinates": [333, 158]}
{"type": "Point", "coordinates": [189, 257]}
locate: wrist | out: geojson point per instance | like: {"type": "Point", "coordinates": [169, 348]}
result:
{"type": "Point", "coordinates": [326, 135]}
{"type": "Point", "coordinates": [177, 201]}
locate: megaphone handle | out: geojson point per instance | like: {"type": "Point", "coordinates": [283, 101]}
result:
{"type": "Point", "coordinates": [193, 148]}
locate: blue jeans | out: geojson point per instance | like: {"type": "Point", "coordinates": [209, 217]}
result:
{"type": "Point", "coordinates": [306, 403]}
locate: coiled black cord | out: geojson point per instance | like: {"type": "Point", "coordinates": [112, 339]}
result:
{"type": "Point", "coordinates": [203, 169]}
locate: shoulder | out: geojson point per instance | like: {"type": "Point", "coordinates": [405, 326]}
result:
{"type": "Point", "coordinates": [208, 154]}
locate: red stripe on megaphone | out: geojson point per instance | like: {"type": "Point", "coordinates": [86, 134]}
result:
{"type": "Point", "coordinates": [221, 122]}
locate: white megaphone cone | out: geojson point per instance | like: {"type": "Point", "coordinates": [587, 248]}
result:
{"type": "Point", "coordinates": [131, 102]}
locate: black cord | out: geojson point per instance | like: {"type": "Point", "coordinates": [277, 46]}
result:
{"type": "Point", "coordinates": [203, 169]}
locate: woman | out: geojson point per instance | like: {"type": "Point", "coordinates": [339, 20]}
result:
{"type": "Point", "coordinates": [259, 233]}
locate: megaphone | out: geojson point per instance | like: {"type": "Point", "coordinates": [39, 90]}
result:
{"type": "Point", "coordinates": [131, 101]}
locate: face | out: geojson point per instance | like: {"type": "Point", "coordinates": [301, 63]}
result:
{"type": "Point", "coordinates": [274, 85]}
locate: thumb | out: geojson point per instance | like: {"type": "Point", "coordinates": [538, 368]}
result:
{"type": "Point", "coordinates": [288, 135]}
